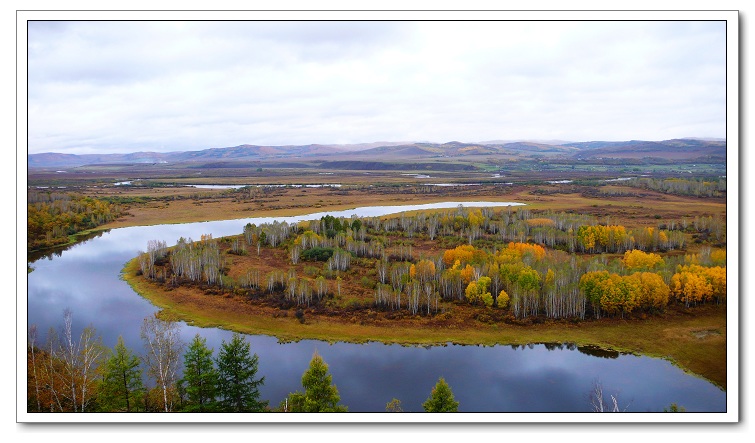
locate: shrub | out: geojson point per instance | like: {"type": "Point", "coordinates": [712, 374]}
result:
{"type": "Point", "coordinates": [317, 254]}
{"type": "Point", "coordinates": [368, 283]}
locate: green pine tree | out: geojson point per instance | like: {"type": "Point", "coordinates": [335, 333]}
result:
{"type": "Point", "coordinates": [200, 376]}
{"type": "Point", "coordinates": [441, 399]}
{"type": "Point", "coordinates": [121, 388]}
{"type": "Point", "coordinates": [320, 395]}
{"type": "Point", "coordinates": [238, 389]}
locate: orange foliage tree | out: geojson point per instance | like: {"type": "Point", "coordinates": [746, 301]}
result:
{"type": "Point", "coordinates": [464, 254]}
{"type": "Point", "coordinates": [423, 271]}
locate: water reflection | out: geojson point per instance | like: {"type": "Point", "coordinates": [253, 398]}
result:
{"type": "Point", "coordinates": [58, 251]}
{"type": "Point", "coordinates": [598, 352]}
{"type": "Point", "coordinates": [519, 378]}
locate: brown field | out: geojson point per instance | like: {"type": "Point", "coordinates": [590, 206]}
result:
{"type": "Point", "coordinates": [185, 205]}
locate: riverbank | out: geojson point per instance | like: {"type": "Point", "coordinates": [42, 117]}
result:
{"type": "Point", "coordinates": [179, 205]}
{"type": "Point", "coordinates": [694, 340]}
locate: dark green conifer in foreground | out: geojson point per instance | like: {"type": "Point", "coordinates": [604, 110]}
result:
{"type": "Point", "coordinates": [441, 399]}
{"type": "Point", "coordinates": [200, 377]}
{"type": "Point", "coordinates": [238, 387]}
{"type": "Point", "coordinates": [121, 388]}
{"type": "Point", "coordinates": [319, 395]}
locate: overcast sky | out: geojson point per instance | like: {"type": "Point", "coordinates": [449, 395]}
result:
{"type": "Point", "coordinates": [115, 87]}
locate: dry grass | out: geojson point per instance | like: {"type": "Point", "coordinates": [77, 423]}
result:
{"type": "Point", "coordinates": [629, 211]}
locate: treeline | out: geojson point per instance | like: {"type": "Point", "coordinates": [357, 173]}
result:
{"type": "Point", "coordinates": [53, 216]}
{"type": "Point", "coordinates": [697, 187]}
{"type": "Point", "coordinates": [69, 373]}
{"type": "Point", "coordinates": [492, 265]}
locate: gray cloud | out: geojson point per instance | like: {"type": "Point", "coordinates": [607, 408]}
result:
{"type": "Point", "coordinates": [164, 86]}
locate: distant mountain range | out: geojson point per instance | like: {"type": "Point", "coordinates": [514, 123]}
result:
{"type": "Point", "coordinates": [676, 149]}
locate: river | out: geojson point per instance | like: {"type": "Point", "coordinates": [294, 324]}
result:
{"type": "Point", "coordinates": [535, 378]}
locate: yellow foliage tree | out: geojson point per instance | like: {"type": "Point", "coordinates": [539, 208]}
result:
{"type": "Point", "coordinates": [718, 256]}
{"type": "Point", "coordinates": [477, 292]}
{"type": "Point", "coordinates": [636, 259]}
{"type": "Point", "coordinates": [537, 251]}
{"type": "Point", "coordinates": [502, 301]}
{"type": "Point", "coordinates": [475, 218]}
{"type": "Point", "coordinates": [653, 291]}
{"type": "Point", "coordinates": [618, 294]}
{"type": "Point", "coordinates": [690, 287]}
{"type": "Point", "coordinates": [515, 251]}
{"type": "Point", "coordinates": [589, 283]}
{"type": "Point", "coordinates": [716, 276]}
{"type": "Point", "coordinates": [464, 254]}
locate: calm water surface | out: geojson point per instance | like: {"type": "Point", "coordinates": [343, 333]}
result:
{"type": "Point", "coordinates": [535, 378]}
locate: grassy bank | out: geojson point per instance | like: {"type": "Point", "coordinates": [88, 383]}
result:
{"type": "Point", "coordinates": [179, 205]}
{"type": "Point", "coordinates": [693, 340]}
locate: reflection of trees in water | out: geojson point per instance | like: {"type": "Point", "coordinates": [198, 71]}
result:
{"type": "Point", "coordinates": [598, 352]}
{"type": "Point", "coordinates": [548, 346]}
{"type": "Point", "coordinates": [58, 251]}
{"type": "Point", "coordinates": [594, 351]}
{"type": "Point", "coordinates": [599, 402]}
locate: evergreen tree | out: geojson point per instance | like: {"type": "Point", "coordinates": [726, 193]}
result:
{"type": "Point", "coordinates": [320, 395]}
{"type": "Point", "coordinates": [441, 399]}
{"type": "Point", "coordinates": [121, 388]}
{"type": "Point", "coordinates": [238, 389]}
{"type": "Point", "coordinates": [200, 376]}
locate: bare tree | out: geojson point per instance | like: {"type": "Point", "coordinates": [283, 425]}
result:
{"type": "Point", "coordinates": [32, 340]}
{"type": "Point", "coordinates": [164, 347]}
{"type": "Point", "coordinates": [381, 266]}
{"type": "Point", "coordinates": [90, 357]}
{"type": "Point", "coordinates": [295, 254]}
{"type": "Point", "coordinates": [598, 402]}
{"type": "Point", "coordinates": [52, 376]}
{"type": "Point", "coordinates": [80, 359]}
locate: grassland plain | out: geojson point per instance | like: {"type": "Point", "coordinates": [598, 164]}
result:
{"type": "Point", "coordinates": [624, 205]}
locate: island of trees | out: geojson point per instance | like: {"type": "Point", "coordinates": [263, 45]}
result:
{"type": "Point", "coordinates": [464, 265]}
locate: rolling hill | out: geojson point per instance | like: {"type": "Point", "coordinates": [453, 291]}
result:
{"type": "Point", "coordinates": [676, 149]}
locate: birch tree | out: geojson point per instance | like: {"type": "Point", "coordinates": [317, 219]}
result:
{"type": "Point", "coordinates": [31, 351]}
{"type": "Point", "coordinates": [598, 402]}
{"type": "Point", "coordinates": [163, 347]}
{"type": "Point", "coordinates": [80, 359]}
